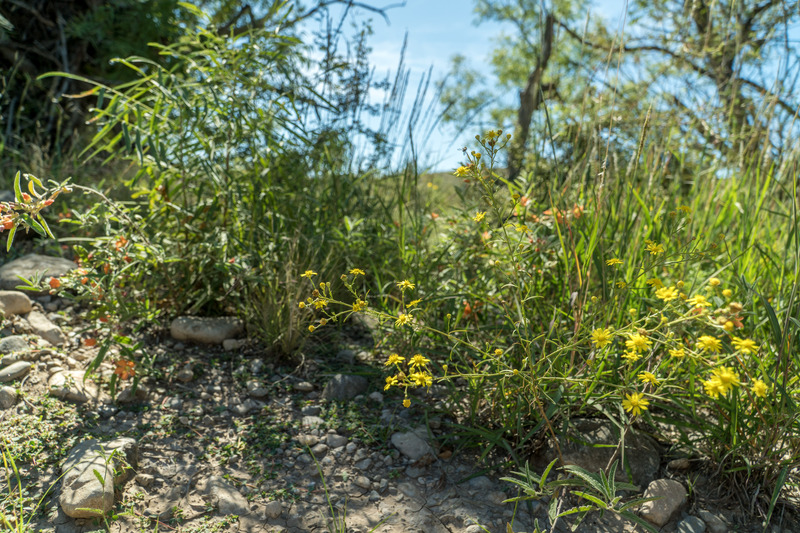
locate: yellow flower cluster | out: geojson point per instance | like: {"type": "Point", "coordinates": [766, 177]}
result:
{"type": "Point", "coordinates": [415, 373]}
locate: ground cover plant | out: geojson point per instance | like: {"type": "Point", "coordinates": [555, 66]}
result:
{"type": "Point", "coordinates": [597, 283]}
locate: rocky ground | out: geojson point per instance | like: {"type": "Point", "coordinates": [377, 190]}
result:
{"type": "Point", "coordinates": [220, 439]}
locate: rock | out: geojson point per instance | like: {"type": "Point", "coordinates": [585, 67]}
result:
{"type": "Point", "coordinates": [303, 386]}
{"type": "Point", "coordinates": [229, 500]}
{"type": "Point", "coordinates": [307, 440]}
{"type": "Point", "coordinates": [346, 356]}
{"type": "Point", "coordinates": [311, 410]}
{"type": "Point", "coordinates": [13, 344]}
{"type": "Point", "coordinates": [15, 303]}
{"type": "Point", "coordinates": [15, 371]}
{"type": "Point", "coordinates": [376, 397]}
{"type": "Point", "coordinates": [42, 326]}
{"type": "Point", "coordinates": [82, 494]}
{"type": "Point", "coordinates": [411, 444]}
{"type": "Point", "coordinates": [362, 482]}
{"type": "Point", "coordinates": [335, 441]}
{"type": "Point", "coordinates": [185, 374]}
{"type": "Point", "coordinates": [671, 496]}
{"type": "Point", "coordinates": [714, 523]}
{"type": "Point", "coordinates": [344, 387]}
{"type": "Point", "coordinates": [144, 480]}
{"type": "Point", "coordinates": [127, 395]}
{"type": "Point", "coordinates": [8, 397]}
{"type": "Point", "coordinates": [256, 390]}
{"type": "Point", "coordinates": [206, 330]}
{"type": "Point", "coordinates": [592, 443]}
{"type": "Point", "coordinates": [29, 265]}
{"type": "Point", "coordinates": [273, 509]}
{"type": "Point", "coordinates": [691, 524]}
{"type": "Point", "coordinates": [230, 345]}
{"type": "Point", "coordinates": [679, 464]}
{"type": "Point", "coordinates": [70, 386]}
{"type": "Point", "coordinates": [310, 422]}
{"type": "Point", "coordinates": [319, 450]}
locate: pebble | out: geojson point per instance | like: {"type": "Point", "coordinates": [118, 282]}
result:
{"type": "Point", "coordinates": [714, 523]}
{"type": "Point", "coordinates": [15, 371]}
{"type": "Point", "coordinates": [411, 444]}
{"type": "Point", "coordinates": [691, 524]}
{"type": "Point", "coordinates": [320, 450]}
{"type": "Point", "coordinates": [205, 330]}
{"type": "Point", "coordinates": [303, 386]}
{"type": "Point", "coordinates": [8, 397]}
{"type": "Point", "coordinates": [362, 482]}
{"type": "Point", "coordinates": [42, 327]}
{"type": "Point", "coordinates": [186, 374]}
{"type": "Point", "coordinates": [307, 440]}
{"type": "Point", "coordinates": [671, 496]}
{"type": "Point", "coordinates": [273, 509]}
{"type": "Point", "coordinates": [13, 344]}
{"type": "Point", "coordinates": [15, 303]}
{"type": "Point", "coordinates": [335, 441]}
{"type": "Point", "coordinates": [312, 422]}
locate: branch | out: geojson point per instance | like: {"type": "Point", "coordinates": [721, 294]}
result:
{"type": "Point", "coordinates": [764, 92]}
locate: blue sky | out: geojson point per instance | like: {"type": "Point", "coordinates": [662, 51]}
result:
{"type": "Point", "coordinates": [438, 30]}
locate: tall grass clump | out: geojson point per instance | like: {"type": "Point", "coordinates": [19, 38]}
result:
{"type": "Point", "coordinates": [618, 299]}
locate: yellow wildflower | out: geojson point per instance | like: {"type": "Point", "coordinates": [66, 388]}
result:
{"type": "Point", "coordinates": [667, 294]}
{"type": "Point", "coordinates": [621, 284]}
{"type": "Point", "coordinates": [686, 209]}
{"type": "Point", "coordinates": [759, 388]}
{"type": "Point", "coordinates": [301, 305]}
{"type": "Point", "coordinates": [654, 248]}
{"type": "Point", "coordinates": [680, 284]}
{"type": "Point", "coordinates": [714, 282]}
{"type": "Point", "coordinates": [678, 352]}
{"type": "Point", "coordinates": [359, 305]}
{"type": "Point", "coordinates": [614, 261]}
{"type": "Point", "coordinates": [707, 343]}
{"type": "Point", "coordinates": [405, 284]}
{"type": "Point", "coordinates": [417, 361]}
{"type": "Point", "coordinates": [655, 282]}
{"type": "Point", "coordinates": [498, 352]}
{"type": "Point", "coordinates": [412, 303]}
{"type": "Point", "coordinates": [699, 301]}
{"type": "Point", "coordinates": [403, 319]}
{"type": "Point", "coordinates": [601, 337]}
{"type": "Point", "coordinates": [727, 293]}
{"type": "Point", "coordinates": [357, 272]}
{"type": "Point", "coordinates": [311, 329]}
{"type": "Point", "coordinates": [391, 381]}
{"type": "Point", "coordinates": [308, 274]}
{"type": "Point", "coordinates": [406, 403]}
{"type": "Point", "coordinates": [462, 171]}
{"type": "Point", "coordinates": [726, 377]}
{"type": "Point", "coordinates": [320, 303]}
{"type": "Point", "coordinates": [713, 387]}
{"type": "Point", "coordinates": [479, 216]}
{"type": "Point", "coordinates": [648, 377]}
{"type": "Point", "coordinates": [728, 326]}
{"type": "Point", "coordinates": [637, 342]}
{"type": "Point", "coordinates": [746, 346]}
{"type": "Point", "coordinates": [631, 356]}
{"type": "Point", "coordinates": [394, 359]}
{"type": "Point", "coordinates": [421, 379]}
{"type": "Point", "coordinates": [635, 403]}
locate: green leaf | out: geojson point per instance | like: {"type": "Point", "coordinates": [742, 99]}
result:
{"type": "Point", "coordinates": [99, 477]}
{"type": "Point", "coordinates": [98, 359]}
{"type": "Point", "coordinates": [594, 499]}
{"type": "Point", "coordinates": [642, 522]}
{"type": "Point", "coordinates": [11, 234]}
{"type": "Point", "coordinates": [776, 492]}
{"type": "Point", "coordinates": [17, 190]}
{"type": "Point", "coordinates": [593, 480]}
{"type": "Point", "coordinates": [45, 226]}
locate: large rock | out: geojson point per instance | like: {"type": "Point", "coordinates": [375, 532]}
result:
{"type": "Point", "coordinates": [412, 444]}
{"type": "Point", "coordinates": [13, 344]}
{"type": "Point", "coordinates": [8, 397]}
{"type": "Point", "coordinates": [229, 500]}
{"type": "Point", "coordinates": [15, 371]}
{"type": "Point", "coordinates": [591, 444]}
{"type": "Point", "coordinates": [670, 497]}
{"type": "Point", "coordinates": [82, 493]}
{"type": "Point", "coordinates": [206, 330]}
{"type": "Point", "coordinates": [27, 266]}
{"type": "Point", "coordinates": [343, 387]}
{"type": "Point", "coordinates": [71, 386]}
{"type": "Point", "coordinates": [15, 303]}
{"type": "Point", "coordinates": [42, 326]}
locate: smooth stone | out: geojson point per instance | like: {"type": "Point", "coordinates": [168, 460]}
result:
{"type": "Point", "coordinates": [15, 303]}
{"type": "Point", "coordinates": [229, 500]}
{"type": "Point", "coordinates": [714, 523]}
{"type": "Point", "coordinates": [411, 444]}
{"type": "Point", "coordinates": [15, 371]}
{"type": "Point", "coordinates": [186, 374]}
{"type": "Point", "coordinates": [45, 329]}
{"type": "Point", "coordinates": [13, 344]}
{"type": "Point", "coordinates": [671, 497]}
{"type": "Point", "coordinates": [335, 441]}
{"type": "Point", "coordinates": [312, 422]}
{"type": "Point", "coordinates": [230, 345]}
{"type": "Point", "coordinates": [311, 410]}
{"type": "Point", "coordinates": [344, 387]}
{"type": "Point", "coordinates": [82, 494]}
{"type": "Point", "coordinates": [29, 265]}
{"type": "Point", "coordinates": [308, 440]}
{"type": "Point", "coordinates": [127, 395]}
{"type": "Point", "coordinates": [205, 330]}
{"type": "Point", "coordinates": [70, 386]}
{"type": "Point", "coordinates": [273, 509]}
{"type": "Point", "coordinates": [144, 480]}
{"type": "Point", "coordinates": [691, 524]}
{"type": "Point", "coordinates": [303, 386]}
{"type": "Point", "coordinates": [8, 397]}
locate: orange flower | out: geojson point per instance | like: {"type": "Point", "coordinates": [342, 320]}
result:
{"type": "Point", "coordinates": [106, 268]}
{"type": "Point", "coordinates": [26, 197]}
{"type": "Point", "coordinates": [103, 319]}
{"type": "Point", "coordinates": [91, 341]}
{"type": "Point", "coordinates": [120, 243]}
{"type": "Point", "coordinates": [124, 369]}
{"type": "Point", "coordinates": [54, 283]}
{"type": "Point", "coordinates": [7, 223]}
{"type": "Point", "coordinates": [48, 202]}
{"type": "Point", "coordinates": [84, 280]}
